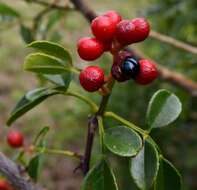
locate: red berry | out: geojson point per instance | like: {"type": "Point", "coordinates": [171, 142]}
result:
{"type": "Point", "coordinates": [15, 139]}
{"type": "Point", "coordinates": [132, 31]}
{"type": "Point", "coordinates": [114, 16]}
{"type": "Point", "coordinates": [89, 49]}
{"type": "Point", "coordinates": [148, 72]}
{"type": "Point", "coordinates": [124, 32]}
{"type": "Point", "coordinates": [4, 185]}
{"type": "Point", "coordinates": [103, 28]}
{"type": "Point", "coordinates": [91, 78]}
{"type": "Point", "coordinates": [142, 29]}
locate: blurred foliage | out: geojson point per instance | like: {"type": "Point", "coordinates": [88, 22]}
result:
{"type": "Point", "coordinates": [68, 117]}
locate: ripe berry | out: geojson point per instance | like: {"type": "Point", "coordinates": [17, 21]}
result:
{"type": "Point", "coordinates": [124, 32]}
{"type": "Point", "coordinates": [15, 139]}
{"type": "Point", "coordinates": [114, 16]}
{"type": "Point", "coordinates": [4, 185]}
{"type": "Point", "coordinates": [103, 28]}
{"type": "Point", "coordinates": [89, 49]}
{"type": "Point", "coordinates": [132, 31]}
{"type": "Point", "coordinates": [148, 72]}
{"type": "Point", "coordinates": [116, 69]}
{"type": "Point", "coordinates": [91, 78]}
{"type": "Point", "coordinates": [130, 67]}
{"type": "Point", "coordinates": [142, 29]}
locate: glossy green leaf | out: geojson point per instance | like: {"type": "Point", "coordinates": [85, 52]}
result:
{"type": "Point", "coordinates": [60, 80]}
{"type": "Point", "coordinates": [44, 64]}
{"type": "Point", "coordinates": [29, 101]}
{"type": "Point", "coordinates": [168, 177]}
{"type": "Point", "coordinates": [26, 34]}
{"type": "Point", "coordinates": [122, 141]}
{"type": "Point", "coordinates": [144, 166]}
{"type": "Point", "coordinates": [40, 136]}
{"type": "Point", "coordinates": [8, 11]}
{"type": "Point", "coordinates": [164, 108]}
{"type": "Point", "coordinates": [34, 166]}
{"type": "Point", "coordinates": [53, 49]}
{"type": "Point", "coordinates": [100, 177]}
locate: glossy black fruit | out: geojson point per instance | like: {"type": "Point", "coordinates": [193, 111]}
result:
{"type": "Point", "coordinates": [130, 68]}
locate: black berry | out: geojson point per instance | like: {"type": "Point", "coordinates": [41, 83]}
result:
{"type": "Point", "coordinates": [116, 69]}
{"type": "Point", "coordinates": [130, 67]}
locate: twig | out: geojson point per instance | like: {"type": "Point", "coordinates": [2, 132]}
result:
{"type": "Point", "coordinates": [92, 126]}
{"type": "Point", "coordinates": [12, 172]}
{"type": "Point", "coordinates": [174, 42]}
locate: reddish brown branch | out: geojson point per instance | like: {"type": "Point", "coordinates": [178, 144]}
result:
{"type": "Point", "coordinates": [174, 42]}
{"type": "Point", "coordinates": [92, 126]}
{"type": "Point", "coordinates": [178, 79]}
{"type": "Point", "coordinates": [165, 74]}
{"type": "Point", "coordinates": [12, 172]}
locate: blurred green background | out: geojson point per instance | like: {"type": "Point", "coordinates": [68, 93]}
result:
{"type": "Point", "coordinates": [67, 117]}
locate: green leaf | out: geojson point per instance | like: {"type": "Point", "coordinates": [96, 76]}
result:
{"type": "Point", "coordinates": [144, 166]}
{"type": "Point", "coordinates": [44, 64]}
{"type": "Point", "coordinates": [53, 49]}
{"type": "Point", "coordinates": [40, 136]}
{"type": "Point", "coordinates": [26, 34]}
{"type": "Point", "coordinates": [168, 177]}
{"type": "Point", "coordinates": [54, 17]}
{"type": "Point", "coordinates": [163, 109]}
{"type": "Point", "coordinates": [60, 80]}
{"type": "Point", "coordinates": [122, 141]}
{"type": "Point", "coordinates": [29, 101]}
{"type": "Point", "coordinates": [8, 11]}
{"type": "Point", "coordinates": [34, 166]}
{"type": "Point", "coordinates": [100, 177]}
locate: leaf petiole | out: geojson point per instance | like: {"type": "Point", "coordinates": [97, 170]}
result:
{"type": "Point", "coordinates": [84, 99]}
{"type": "Point", "coordinates": [56, 151]}
{"type": "Point", "coordinates": [127, 123]}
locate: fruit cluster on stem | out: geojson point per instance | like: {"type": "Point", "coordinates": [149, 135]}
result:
{"type": "Point", "coordinates": [113, 34]}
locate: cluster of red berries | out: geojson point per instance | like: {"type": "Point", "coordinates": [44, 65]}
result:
{"type": "Point", "coordinates": [15, 139]}
{"type": "Point", "coordinates": [112, 34]}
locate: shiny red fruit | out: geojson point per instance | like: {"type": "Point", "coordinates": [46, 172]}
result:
{"type": "Point", "coordinates": [114, 16]}
{"type": "Point", "coordinates": [132, 31]}
{"type": "Point", "coordinates": [125, 31]}
{"type": "Point", "coordinates": [103, 28]}
{"type": "Point", "coordinates": [15, 139]}
{"type": "Point", "coordinates": [89, 49]}
{"type": "Point", "coordinates": [148, 72]}
{"type": "Point", "coordinates": [4, 185]}
{"type": "Point", "coordinates": [91, 78]}
{"type": "Point", "coordinates": [142, 29]}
